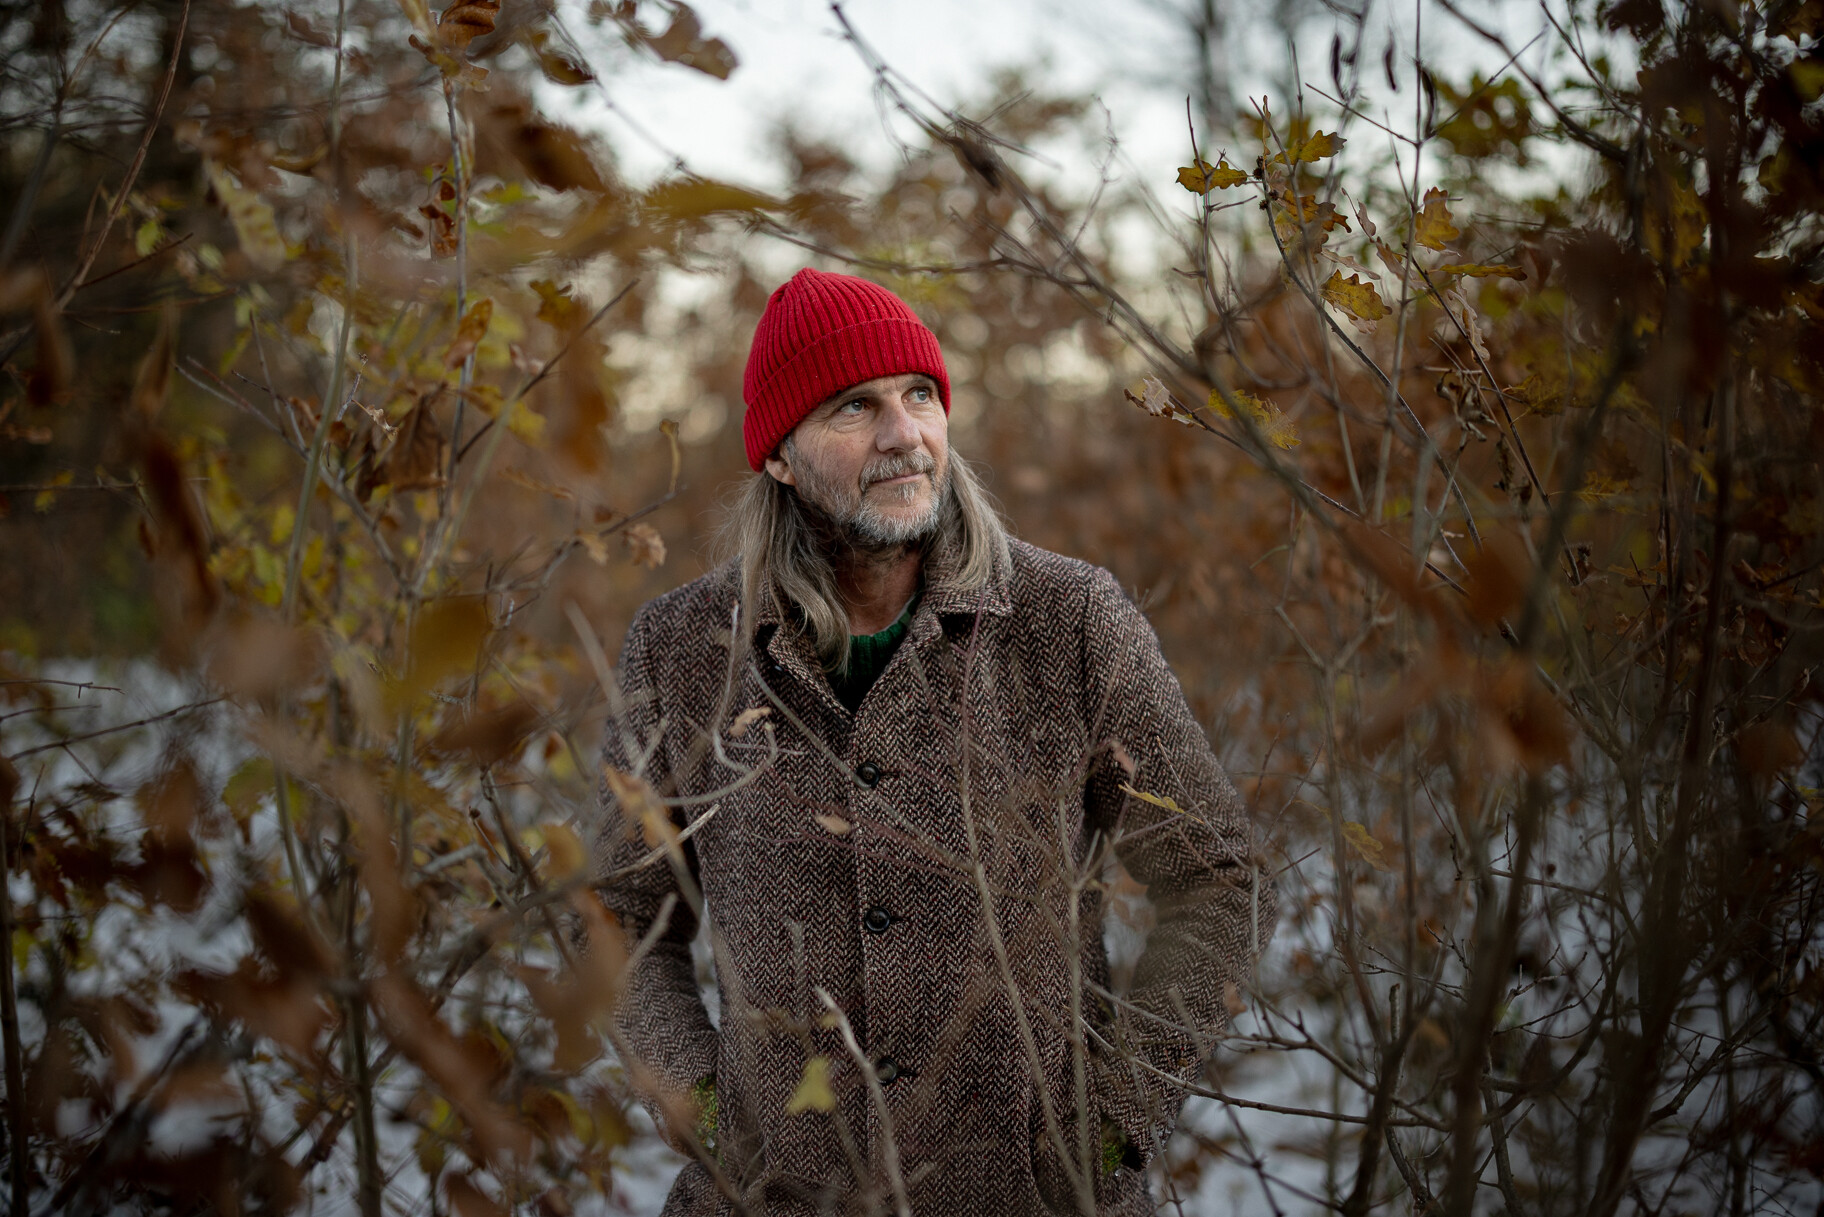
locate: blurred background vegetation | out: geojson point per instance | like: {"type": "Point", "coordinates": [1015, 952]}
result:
{"type": "Point", "coordinates": [1454, 418]}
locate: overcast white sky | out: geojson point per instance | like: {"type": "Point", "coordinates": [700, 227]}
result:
{"type": "Point", "coordinates": [1130, 53]}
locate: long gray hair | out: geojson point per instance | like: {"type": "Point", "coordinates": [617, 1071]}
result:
{"type": "Point", "coordinates": [783, 551]}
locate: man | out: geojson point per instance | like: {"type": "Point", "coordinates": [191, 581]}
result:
{"type": "Point", "coordinates": [886, 752]}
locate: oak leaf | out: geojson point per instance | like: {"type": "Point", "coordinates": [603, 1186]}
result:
{"type": "Point", "coordinates": [1158, 401]}
{"type": "Point", "coordinates": [683, 43]}
{"type": "Point", "coordinates": [1365, 846]}
{"type": "Point", "coordinates": [1354, 297]}
{"type": "Point", "coordinates": [253, 220]}
{"type": "Point", "coordinates": [465, 21]}
{"type": "Point", "coordinates": [1321, 145]}
{"type": "Point", "coordinates": [645, 546]}
{"type": "Point", "coordinates": [1434, 229]}
{"type": "Point", "coordinates": [1275, 427]}
{"type": "Point", "coordinates": [1200, 177]}
{"type": "Point", "coordinates": [556, 307]}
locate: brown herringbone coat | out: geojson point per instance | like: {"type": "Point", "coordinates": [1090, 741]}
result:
{"type": "Point", "coordinates": [989, 757]}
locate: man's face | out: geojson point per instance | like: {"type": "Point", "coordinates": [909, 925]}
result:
{"type": "Point", "coordinates": [875, 458]}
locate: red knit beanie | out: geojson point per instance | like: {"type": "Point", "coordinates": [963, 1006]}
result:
{"type": "Point", "coordinates": [821, 334]}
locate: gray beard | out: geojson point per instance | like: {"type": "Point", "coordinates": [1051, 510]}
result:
{"type": "Point", "coordinates": [861, 522]}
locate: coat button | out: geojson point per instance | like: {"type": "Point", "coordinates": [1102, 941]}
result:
{"type": "Point", "coordinates": [868, 774]}
{"type": "Point", "coordinates": [888, 1070]}
{"type": "Point", "coordinates": [877, 920]}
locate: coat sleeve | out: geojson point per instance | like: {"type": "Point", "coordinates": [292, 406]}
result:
{"type": "Point", "coordinates": [1212, 896]}
{"type": "Point", "coordinates": [660, 1015]}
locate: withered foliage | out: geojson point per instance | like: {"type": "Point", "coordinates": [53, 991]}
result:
{"type": "Point", "coordinates": [1474, 490]}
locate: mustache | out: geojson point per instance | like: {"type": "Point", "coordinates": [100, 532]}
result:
{"type": "Point", "coordinates": [898, 466]}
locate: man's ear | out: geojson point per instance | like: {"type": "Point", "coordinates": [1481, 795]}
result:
{"type": "Point", "coordinates": [781, 468]}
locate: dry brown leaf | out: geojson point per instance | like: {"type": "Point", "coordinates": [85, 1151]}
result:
{"type": "Point", "coordinates": [469, 333]}
{"type": "Point", "coordinates": [467, 1200]}
{"type": "Point", "coordinates": [254, 657]}
{"type": "Point", "coordinates": [491, 736]}
{"type": "Point", "coordinates": [1158, 401]}
{"type": "Point", "coordinates": [587, 994]}
{"type": "Point", "coordinates": [463, 1069]}
{"type": "Point", "coordinates": [301, 29]}
{"type": "Point", "coordinates": [645, 546]}
{"type": "Point", "coordinates": [392, 907]}
{"type": "Point", "coordinates": [683, 43]}
{"type": "Point", "coordinates": [1496, 578]}
{"type": "Point", "coordinates": [465, 21]}
{"type": "Point", "coordinates": [415, 459]}
{"type": "Point", "coordinates": [748, 718]}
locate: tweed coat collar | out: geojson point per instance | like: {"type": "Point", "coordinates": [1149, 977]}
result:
{"type": "Point", "coordinates": [944, 594]}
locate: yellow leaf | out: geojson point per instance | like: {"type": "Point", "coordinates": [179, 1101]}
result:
{"type": "Point", "coordinates": [41, 502]}
{"type": "Point", "coordinates": [526, 424]}
{"type": "Point", "coordinates": [1355, 297]}
{"type": "Point", "coordinates": [564, 851]}
{"type": "Point", "coordinates": [1365, 846]}
{"type": "Point", "coordinates": [1435, 231]}
{"type": "Point", "coordinates": [1480, 272]}
{"type": "Point", "coordinates": [556, 308]}
{"type": "Point", "coordinates": [252, 218]}
{"type": "Point", "coordinates": [1201, 177]}
{"type": "Point", "coordinates": [813, 1093]}
{"type": "Point", "coordinates": [695, 198]}
{"type": "Point", "coordinates": [834, 825]}
{"type": "Point", "coordinates": [1807, 78]}
{"type": "Point", "coordinates": [1320, 146]}
{"type": "Point", "coordinates": [1157, 800]}
{"type": "Point", "coordinates": [469, 333]}
{"type": "Point", "coordinates": [446, 638]}
{"type": "Point", "coordinates": [1275, 427]}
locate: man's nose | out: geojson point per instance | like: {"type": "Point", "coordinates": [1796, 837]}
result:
{"type": "Point", "coordinates": [896, 431]}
